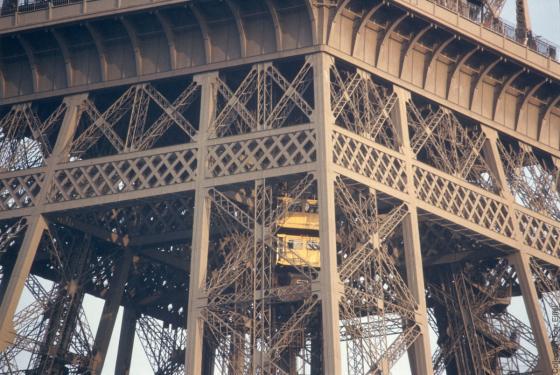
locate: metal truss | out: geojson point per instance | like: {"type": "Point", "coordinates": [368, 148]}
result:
{"type": "Point", "coordinates": [169, 200]}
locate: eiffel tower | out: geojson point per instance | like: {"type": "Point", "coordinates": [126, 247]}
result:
{"type": "Point", "coordinates": [287, 187]}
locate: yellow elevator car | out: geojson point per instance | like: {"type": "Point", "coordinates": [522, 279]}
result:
{"type": "Point", "coordinates": [298, 236]}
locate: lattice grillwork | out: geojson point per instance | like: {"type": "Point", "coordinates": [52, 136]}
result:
{"type": "Point", "coordinates": [20, 191]}
{"type": "Point", "coordinates": [539, 234]}
{"type": "Point", "coordinates": [367, 161]}
{"type": "Point", "coordinates": [261, 153]}
{"type": "Point", "coordinates": [533, 180]}
{"type": "Point", "coordinates": [463, 202]}
{"type": "Point", "coordinates": [113, 177]}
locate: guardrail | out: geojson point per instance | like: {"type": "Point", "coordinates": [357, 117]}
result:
{"type": "Point", "coordinates": [479, 15]}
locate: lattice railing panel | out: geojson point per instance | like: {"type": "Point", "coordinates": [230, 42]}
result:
{"type": "Point", "coordinates": [20, 191]}
{"type": "Point", "coordinates": [463, 202]}
{"type": "Point", "coordinates": [261, 153]}
{"type": "Point", "coordinates": [368, 161]}
{"type": "Point", "coordinates": [539, 234]}
{"type": "Point", "coordinates": [113, 177]}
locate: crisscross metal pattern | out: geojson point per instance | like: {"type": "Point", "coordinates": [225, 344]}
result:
{"type": "Point", "coordinates": [20, 191]}
{"type": "Point", "coordinates": [463, 202]}
{"type": "Point", "coordinates": [113, 177]}
{"type": "Point", "coordinates": [539, 234]}
{"type": "Point", "coordinates": [362, 158]}
{"type": "Point", "coordinates": [261, 153]}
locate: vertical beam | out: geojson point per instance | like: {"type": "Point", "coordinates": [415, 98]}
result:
{"type": "Point", "coordinates": [35, 227]}
{"type": "Point", "coordinates": [520, 261]}
{"type": "Point", "coordinates": [126, 341]}
{"type": "Point", "coordinates": [330, 287]}
{"type": "Point", "coordinates": [110, 311]}
{"type": "Point", "coordinates": [36, 224]}
{"type": "Point", "coordinates": [420, 353]}
{"type": "Point", "coordinates": [201, 229]}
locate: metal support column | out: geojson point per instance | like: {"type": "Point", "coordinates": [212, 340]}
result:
{"type": "Point", "coordinates": [420, 353]}
{"type": "Point", "coordinates": [36, 224]}
{"type": "Point", "coordinates": [201, 223]}
{"type": "Point", "coordinates": [110, 311]}
{"type": "Point", "coordinates": [520, 260]}
{"type": "Point", "coordinates": [330, 286]}
{"type": "Point", "coordinates": [126, 341]}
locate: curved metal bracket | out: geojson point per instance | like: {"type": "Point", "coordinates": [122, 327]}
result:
{"type": "Point", "coordinates": [240, 27]}
{"type": "Point", "coordinates": [550, 106]}
{"type": "Point", "coordinates": [505, 86]}
{"type": "Point", "coordinates": [362, 25]}
{"type": "Point", "coordinates": [339, 8]}
{"type": "Point", "coordinates": [65, 55]}
{"type": "Point", "coordinates": [480, 78]}
{"type": "Point", "coordinates": [313, 19]}
{"type": "Point", "coordinates": [98, 41]}
{"type": "Point", "coordinates": [458, 66]}
{"type": "Point", "coordinates": [277, 24]}
{"type": "Point", "coordinates": [31, 59]}
{"type": "Point", "coordinates": [204, 31]}
{"type": "Point", "coordinates": [435, 55]}
{"type": "Point", "coordinates": [387, 34]}
{"type": "Point", "coordinates": [411, 45]}
{"type": "Point", "coordinates": [133, 37]}
{"type": "Point", "coordinates": [170, 36]}
{"type": "Point", "coordinates": [526, 98]}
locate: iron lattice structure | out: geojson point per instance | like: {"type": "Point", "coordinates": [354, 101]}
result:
{"type": "Point", "coordinates": [155, 161]}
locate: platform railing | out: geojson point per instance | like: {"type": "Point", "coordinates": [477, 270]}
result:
{"type": "Point", "coordinates": [479, 15]}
